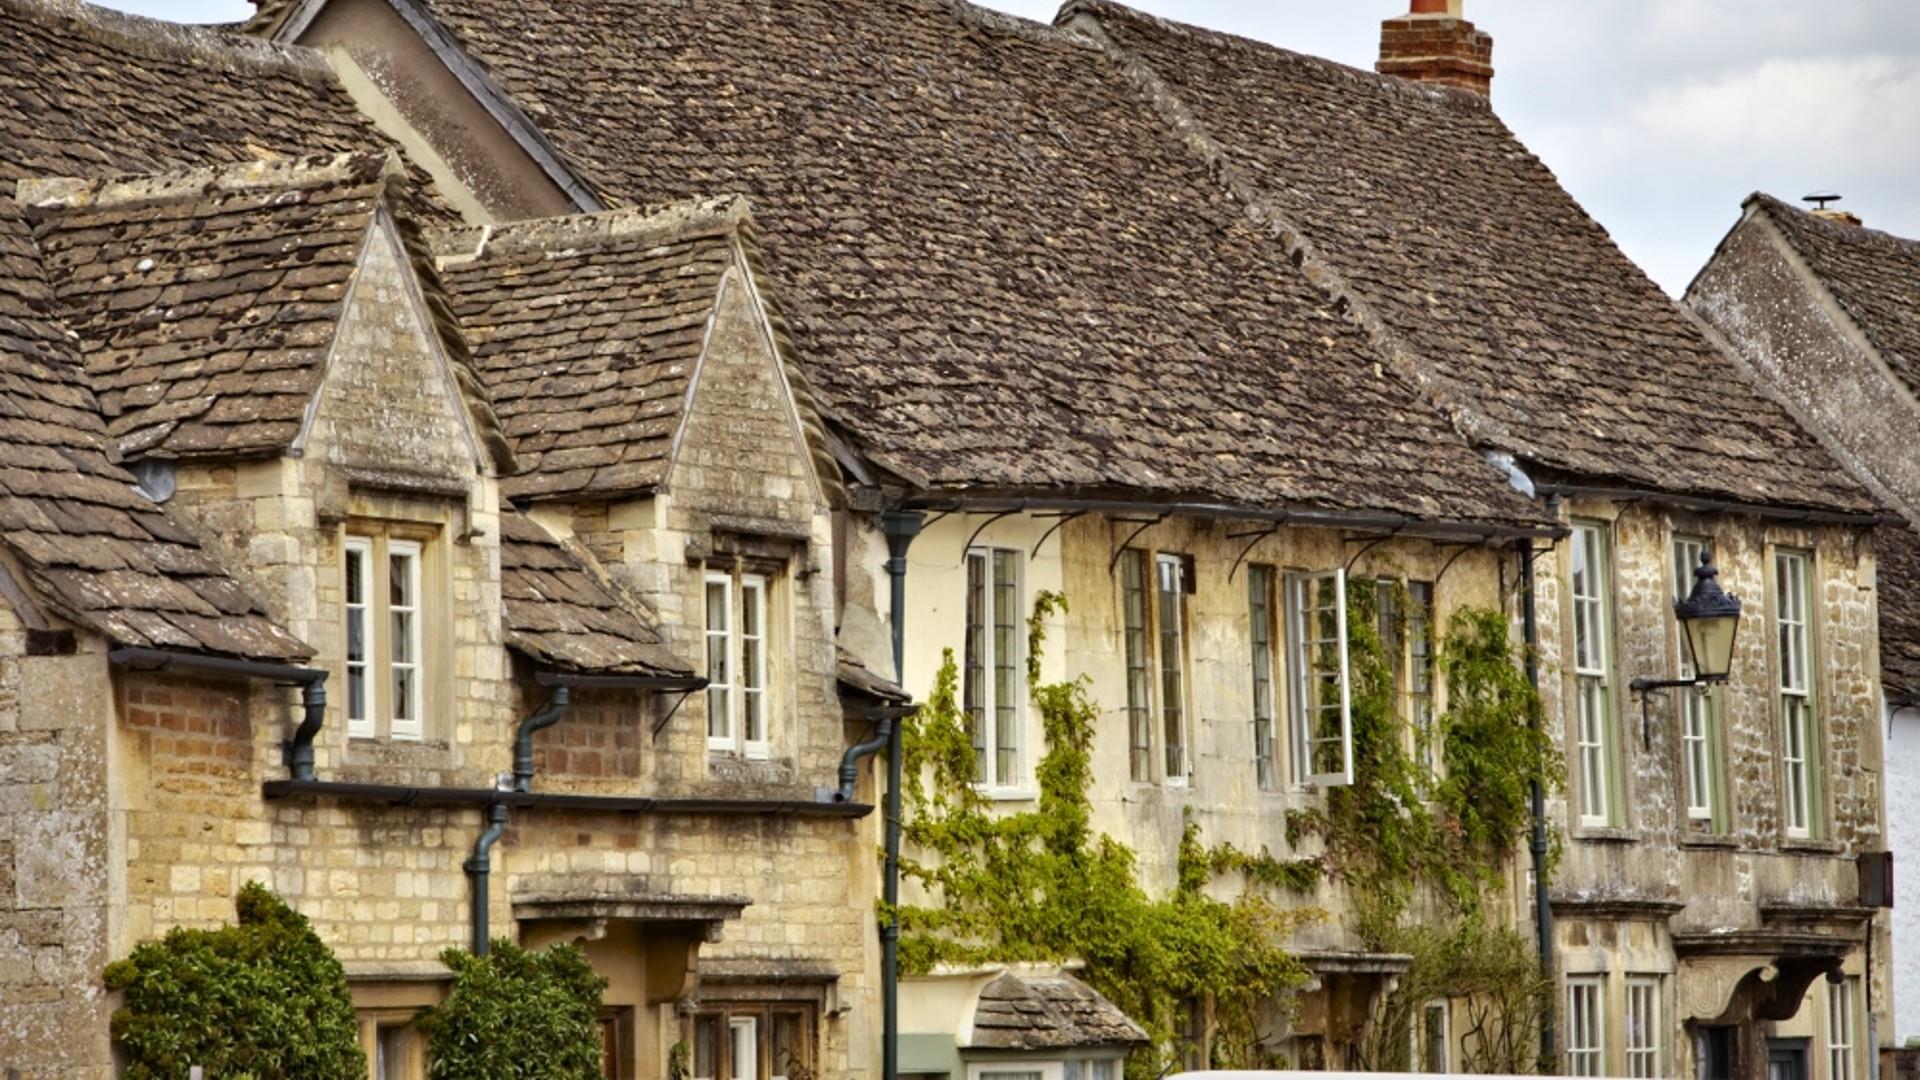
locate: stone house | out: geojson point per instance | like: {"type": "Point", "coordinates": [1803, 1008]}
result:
{"type": "Point", "coordinates": [287, 599]}
{"type": "Point", "coordinates": [1823, 312]}
{"type": "Point", "coordinates": [1121, 284]}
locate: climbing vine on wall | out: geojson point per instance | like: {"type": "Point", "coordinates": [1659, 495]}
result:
{"type": "Point", "coordinates": [1397, 836]}
{"type": "Point", "coordinates": [1041, 886]}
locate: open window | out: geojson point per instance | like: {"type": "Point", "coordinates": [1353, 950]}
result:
{"type": "Point", "coordinates": [1321, 693]}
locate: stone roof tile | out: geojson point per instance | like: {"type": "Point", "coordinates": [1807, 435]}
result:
{"type": "Point", "coordinates": [999, 270]}
{"type": "Point", "coordinates": [97, 550]}
{"type": "Point", "coordinates": [1516, 305]}
{"type": "Point", "coordinates": [1048, 1012]}
{"type": "Point", "coordinates": [560, 614]}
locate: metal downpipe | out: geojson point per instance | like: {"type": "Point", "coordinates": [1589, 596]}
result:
{"type": "Point", "coordinates": [900, 527]}
{"type": "Point", "coordinates": [478, 867]}
{"type": "Point", "coordinates": [523, 737]}
{"type": "Point", "coordinates": [1543, 907]}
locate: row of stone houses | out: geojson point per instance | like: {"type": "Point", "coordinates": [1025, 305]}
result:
{"type": "Point", "coordinates": [478, 468]}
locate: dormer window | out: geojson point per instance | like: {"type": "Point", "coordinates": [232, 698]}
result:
{"type": "Point", "coordinates": [736, 635]}
{"type": "Point", "coordinates": [384, 614]}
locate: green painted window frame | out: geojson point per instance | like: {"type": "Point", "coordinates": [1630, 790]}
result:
{"type": "Point", "coordinates": [1592, 653]}
{"type": "Point", "coordinates": [1703, 704]}
{"type": "Point", "coordinates": [1797, 679]}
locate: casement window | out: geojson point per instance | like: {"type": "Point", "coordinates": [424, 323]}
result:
{"type": "Point", "coordinates": [1419, 684]}
{"type": "Point", "coordinates": [1586, 1038]}
{"type": "Point", "coordinates": [1799, 724]}
{"type": "Point", "coordinates": [737, 663]}
{"type": "Point", "coordinates": [385, 616]}
{"type": "Point", "coordinates": [1594, 734]}
{"type": "Point", "coordinates": [1261, 624]}
{"type": "Point", "coordinates": [991, 689]}
{"type": "Point", "coordinates": [753, 1041]}
{"type": "Point", "coordinates": [1433, 1050]}
{"type": "Point", "coordinates": [1321, 719]}
{"type": "Point", "coordinates": [1843, 1000]}
{"type": "Point", "coordinates": [1170, 619]}
{"type": "Point", "coordinates": [1701, 767]}
{"type": "Point", "coordinates": [1644, 1044]}
{"type": "Point", "coordinates": [1153, 591]}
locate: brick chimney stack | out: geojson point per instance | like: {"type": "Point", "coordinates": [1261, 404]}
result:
{"type": "Point", "coordinates": [1432, 43]}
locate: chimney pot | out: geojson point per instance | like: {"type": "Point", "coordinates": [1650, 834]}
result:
{"type": "Point", "coordinates": [1433, 43]}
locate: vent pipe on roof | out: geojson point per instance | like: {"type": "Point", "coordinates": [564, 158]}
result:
{"type": "Point", "coordinates": [1434, 43]}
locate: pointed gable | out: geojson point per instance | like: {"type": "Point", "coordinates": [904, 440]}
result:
{"type": "Point", "coordinates": [210, 305]}
{"type": "Point", "coordinates": [591, 331]}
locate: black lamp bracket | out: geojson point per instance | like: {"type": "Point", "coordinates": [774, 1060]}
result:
{"type": "Point", "coordinates": [1646, 688]}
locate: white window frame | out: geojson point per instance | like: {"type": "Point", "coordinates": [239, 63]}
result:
{"type": "Point", "coordinates": [1170, 626]}
{"type": "Point", "coordinates": [999, 746]}
{"type": "Point", "coordinates": [1698, 767]}
{"type": "Point", "coordinates": [739, 708]}
{"type": "Point", "coordinates": [1594, 725]}
{"type": "Point", "coordinates": [1136, 644]}
{"type": "Point", "coordinates": [750, 1027]}
{"type": "Point", "coordinates": [1304, 698]}
{"type": "Point", "coordinates": [1263, 627]}
{"type": "Point", "coordinates": [1423, 1038]}
{"type": "Point", "coordinates": [364, 725]}
{"type": "Point", "coordinates": [721, 730]}
{"type": "Point", "coordinates": [1843, 1026]}
{"type": "Point", "coordinates": [987, 1070]}
{"type": "Point", "coordinates": [414, 727]}
{"type": "Point", "coordinates": [1646, 1050]}
{"type": "Point", "coordinates": [1586, 1026]}
{"type": "Point", "coordinates": [755, 716]}
{"type": "Point", "coordinates": [1799, 726]}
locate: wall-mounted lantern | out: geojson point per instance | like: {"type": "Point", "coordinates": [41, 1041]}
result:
{"type": "Point", "coordinates": [1709, 622]}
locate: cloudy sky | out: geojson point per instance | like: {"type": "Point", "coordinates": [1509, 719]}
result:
{"type": "Point", "coordinates": [1659, 115]}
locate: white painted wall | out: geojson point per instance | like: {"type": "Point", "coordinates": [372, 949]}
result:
{"type": "Point", "coordinates": [1903, 838]}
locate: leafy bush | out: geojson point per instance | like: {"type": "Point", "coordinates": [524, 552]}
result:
{"type": "Point", "coordinates": [263, 1000]}
{"type": "Point", "coordinates": [517, 1015]}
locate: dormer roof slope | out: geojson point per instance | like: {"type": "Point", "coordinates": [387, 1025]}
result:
{"type": "Point", "coordinates": [95, 549]}
{"type": "Point", "coordinates": [1475, 268]}
{"type": "Point", "coordinates": [562, 615]}
{"type": "Point", "coordinates": [205, 303]}
{"type": "Point", "coordinates": [1000, 270]}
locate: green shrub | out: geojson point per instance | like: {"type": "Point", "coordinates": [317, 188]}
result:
{"type": "Point", "coordinates": [517, 1014]}
{"type": "Point", "coordinates": [263, 1000]}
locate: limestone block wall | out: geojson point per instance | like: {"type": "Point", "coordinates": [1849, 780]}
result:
{"type": "Point", "coordinates": [58, 848]}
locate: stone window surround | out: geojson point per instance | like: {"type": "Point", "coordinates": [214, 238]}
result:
{"type": "Point", "coordinates": [433, 619]}
{"type": "Point", "coordinates": [1614, 825]}
{"type": "Point", "coordinates": [742, 575]}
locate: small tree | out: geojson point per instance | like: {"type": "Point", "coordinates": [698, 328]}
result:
{"type": "Point", "coordinates": [263, 1000]}
{"type": "Point", "coordinates": [517, 1015]}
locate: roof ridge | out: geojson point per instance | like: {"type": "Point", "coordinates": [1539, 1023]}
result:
{"type": "Point", "coordinates": [1032, 30]}
{"type": "Point", "coordinates": [1463, 415]}
{"type": "Point", "coordinates": [1407, 88]}
{"type": "Point", "coordinates": [1838, 230]}
{"type": "Point", "coordinates": [565, 232]}
{"type": "Point", "coordinates": [73, 192]}
{"type": "Point", "coordinates": [160, 37]}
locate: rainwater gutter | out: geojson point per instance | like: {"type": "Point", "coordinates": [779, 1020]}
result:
{"type": "Point", "coordinates": [1398, 524]}
{"type": "Point", "coordinates": [478, 867]}
{"type": "Point", "coordinates": [886, 718]}
{"type": "Point", "coordinates": [296, 752]}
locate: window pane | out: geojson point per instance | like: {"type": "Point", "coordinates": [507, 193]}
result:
{"type": "Point", "coordinates": [753, 660]}
{"type": "Point", "coordinates": [1006, 677]}
{"type": "Point", "coordinates": [1586, 1042]}
{"type": "Point", "coordinates": [973, 689]}
{"type": "Point", "coordinates": [792, 1049]}
{"type": "Point", "coordinates": [1643, 1027]}
{"type": "Point", "coordinates": [1172, 666]}
{"type": "Point", "coordinates": [1420, 676]}
{"type": "Point", "coordinates": [720, 662]}
{"type": "Point", "coordinates": [1434, 1035]}
{"type": "Point", "coordinates": [744, 1048]}
{"type": "Point", "coordinates": [1139, 692]}
{"type": "Point", "coordinates": [1260, 615]}
{"type": "Point", "coordinates": [356, 569]}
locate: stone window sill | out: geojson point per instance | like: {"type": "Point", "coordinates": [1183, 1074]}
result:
{"type": "Point", "coordinates": [1711, 841]}
{"type": "Point", "coordinates": [1612, 834]}
{"type": "Point", "coordinates": [1809, 846]}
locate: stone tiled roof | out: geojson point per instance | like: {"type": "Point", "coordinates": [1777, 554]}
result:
{"type": "Point", "coordinates": [856, 677]}
{"type": "Point", "coordinates": [89, 92]}
{"type": "Point", "coordinates": [1897, 548]}
{"type": "Point", "coordinates": [1473, 268]}
{"type": "Point", "coordinates": [1048, 1012]}
{"type": "Point", "coordinates": [96, 550]}
{"type": "Point", "coordinates": [562, 615]}
{"type": "Point", "coordinates": [588, 331]}
{"type": "Point", "coordinates": [1873, 275]}
{"type": "Point", "coordinates": [1000, 269]}
{"type": "Point", "coordinates": [206, 301]}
